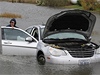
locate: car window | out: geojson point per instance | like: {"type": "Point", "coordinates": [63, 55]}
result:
{"type": "Point", "coordinates": [29, 30]}
{"type": "Point", "coordinates": [35, 33]}
{"type": "Point", "coordinates": [13, 34]}
{"type": "Point", "coordinates": [65, 35]}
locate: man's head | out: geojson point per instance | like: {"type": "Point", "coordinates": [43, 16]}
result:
{"type": "Point", "coordinates": [13, 22]}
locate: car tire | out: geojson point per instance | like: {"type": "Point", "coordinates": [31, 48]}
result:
{"type": "Point", "coordinates": [41, 59]}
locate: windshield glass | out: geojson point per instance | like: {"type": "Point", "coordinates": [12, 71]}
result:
{"type": "Point", "coordinates": [63, 35]}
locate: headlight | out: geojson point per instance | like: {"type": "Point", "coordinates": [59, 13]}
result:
{"type": "Point", "coordinates": [98, 51]}
{"type": "Point", "coordinates": [56, 52]}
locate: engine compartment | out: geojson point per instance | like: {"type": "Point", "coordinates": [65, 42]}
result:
{"type": "Point", "coordinates": [77, 49]}
{"type": "Point", "coordinates": [70, 45]}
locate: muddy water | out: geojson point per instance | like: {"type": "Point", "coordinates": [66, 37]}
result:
{"type": "Point", "coordinates": [27, 65]}
{"type": "Point", "coordinates": [22, 65]}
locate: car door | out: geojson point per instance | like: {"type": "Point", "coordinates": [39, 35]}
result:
{"type": "Point", "coordinates": [13, 42]}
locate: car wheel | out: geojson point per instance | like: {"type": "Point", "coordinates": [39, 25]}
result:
{"type": "Point", "coordinates": [41, 59]}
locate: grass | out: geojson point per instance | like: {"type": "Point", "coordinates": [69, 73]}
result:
{"type": "Point", "coordinates": [23, 1]}
{"type": "Point", "coordinates": [10, 15]}
{"type": "Point", "coordinates": [97, 10]}
{"type": "Point", "coordinates": [74, 7]}
{"type": "Point", "coordinates": [81, 8]}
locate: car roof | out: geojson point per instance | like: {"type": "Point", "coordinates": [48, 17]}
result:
{"type": "Point", "coordinates": [37, 26]}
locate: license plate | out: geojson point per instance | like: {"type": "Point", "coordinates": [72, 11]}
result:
{"type": "Point", "coordinates": [84, 62]}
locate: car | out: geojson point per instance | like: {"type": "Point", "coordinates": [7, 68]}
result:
{"type": "Point", "coordinates": [16, 41]}
{"type": "Point", "coordinates": [66, 39]}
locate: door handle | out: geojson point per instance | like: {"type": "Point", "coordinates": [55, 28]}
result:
{"type": "Point", "coordinates": [7, 43]}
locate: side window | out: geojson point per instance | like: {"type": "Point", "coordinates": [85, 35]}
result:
{"type": "Point", "coordinates": [35, 33]}
{"type": "Point", "coordinates": [14, 34]}
{"type": "Point", "coordinates": [29, 30]}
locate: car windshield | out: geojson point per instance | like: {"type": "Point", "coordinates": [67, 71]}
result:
{"type": "Point", "coordinates": [63, 35]}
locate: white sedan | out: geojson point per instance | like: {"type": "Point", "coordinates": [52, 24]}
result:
{"type": "Point", "coordinates": [65, 39]}
{"type": "Point", "coordinates": [16, 41]}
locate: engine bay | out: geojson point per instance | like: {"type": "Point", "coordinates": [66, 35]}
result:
{"type": "Point", "coordinates": [77, 50]}
{"type": "Point", "coordinates": [74, 45]}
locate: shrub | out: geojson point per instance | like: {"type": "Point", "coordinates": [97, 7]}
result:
{"type": "Point", "coordinates": [57, 2]}
{"type": "Point", "coordinates": [10, 15]}
{"type": "Point", "coordinates": [89, 4]}
{"type": "Point", "coordinates": [41, 2]}
{"type": "Point", "coordinates": [53, 3]}
{"type": "Point", "coordinates": [98, 5]}
{"type": "Point", "coordinates": [79, 2]}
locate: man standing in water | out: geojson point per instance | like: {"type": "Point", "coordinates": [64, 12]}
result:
{"type": "Point", "coordinates": [12, 23]}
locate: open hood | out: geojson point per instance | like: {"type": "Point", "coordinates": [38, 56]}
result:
{"type": "Point", "coordinates": [71, 20]}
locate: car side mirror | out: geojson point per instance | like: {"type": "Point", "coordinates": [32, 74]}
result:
{"type": "Point", "coordinates": [29, 39]}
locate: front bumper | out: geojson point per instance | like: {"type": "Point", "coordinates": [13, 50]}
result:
{"type": "Point", "coordinates": [71, 60]}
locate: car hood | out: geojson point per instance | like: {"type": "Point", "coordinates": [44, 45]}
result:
{"type": "Point", "coordinates": [71, 20]}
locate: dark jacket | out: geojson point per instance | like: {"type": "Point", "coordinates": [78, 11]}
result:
{"type": "Point", "coordinates": [10, 26]}
{"type": "Point", "coordinates": [14, 23]}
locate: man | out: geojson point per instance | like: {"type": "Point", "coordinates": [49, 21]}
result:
{"type": "Point", "coordinates": [12, 23]}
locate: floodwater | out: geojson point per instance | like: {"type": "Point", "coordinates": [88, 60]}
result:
{"type": "Point", "coordinates": [27, 65]}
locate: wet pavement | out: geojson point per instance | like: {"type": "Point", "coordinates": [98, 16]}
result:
{"type": "Point", "coordinates": [27, 65]}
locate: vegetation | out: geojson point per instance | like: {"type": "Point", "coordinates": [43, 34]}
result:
{"type": "Point", "coordinates": [88, 4]}
{"type": "Point", "coordinates": [41, 2]}
{"type": "Point", "coordinates": [53, 3]}
{"type": "Point", "coordinates": [91, 5]}
{"type": "Point", "coordinates": [57, 3]}
{"type": "Point", "coordinates": [73, 7]}
{"type": "Point", "coordinates": [21, 1]}
{"type": "Point", "coordinates": [10, 15]}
